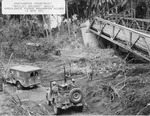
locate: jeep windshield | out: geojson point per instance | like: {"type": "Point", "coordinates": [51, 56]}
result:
{"type": "Point", "coordinates": [61, 81]}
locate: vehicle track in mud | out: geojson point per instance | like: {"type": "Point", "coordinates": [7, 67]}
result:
{"type": "Point", "coordinates": [54, 70]}
{"type": "Point", "coordinates": [36, 98]}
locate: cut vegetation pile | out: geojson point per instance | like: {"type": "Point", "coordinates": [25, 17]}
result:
{"type": "Point", "coordinates": [118, 88]}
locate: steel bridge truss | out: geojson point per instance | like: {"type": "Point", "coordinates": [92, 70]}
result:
{"type": "Point", "coordinates": [135, 23]}
{"type": "Point", "coordinates": [133, 41]}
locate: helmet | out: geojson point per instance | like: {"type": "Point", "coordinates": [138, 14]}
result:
{"type": "Point", "coordinates": [54, 83]}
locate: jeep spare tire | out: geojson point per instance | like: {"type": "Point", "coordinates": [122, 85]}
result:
{"type": "Point", "coordinates": [76, 95]}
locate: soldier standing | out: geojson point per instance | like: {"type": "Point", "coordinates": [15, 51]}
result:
{"type": "Point", "coordinates": [54, 91]}
{"type": "Point", "coordinates": [90, 72]}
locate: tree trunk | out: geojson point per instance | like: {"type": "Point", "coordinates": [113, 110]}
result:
{"type": "Point", "coordinates": [49, 26]}
{"type": "Point", "coordinates": [68, 23]}
{"type": "Point", "coordinates": [45, 23]}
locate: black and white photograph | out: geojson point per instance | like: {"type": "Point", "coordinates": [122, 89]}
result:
{"type": "Point", "coordinates": [74, 57]}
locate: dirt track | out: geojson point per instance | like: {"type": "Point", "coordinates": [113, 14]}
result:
{"type": "Point", "coordinates": [51, 70]}
{"type": "Point", "coordinates": [98, 101]}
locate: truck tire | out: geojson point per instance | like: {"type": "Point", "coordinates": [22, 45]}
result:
{"type": "Point", "coordinates": [76, 95]}
{"type": "Point", "coordinates": [19, 86]}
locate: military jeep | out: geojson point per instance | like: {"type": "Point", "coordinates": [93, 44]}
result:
{"type": "Point", "coordinates": [23, 76]}
{"type": "Point", "coordinates": [64, 94]}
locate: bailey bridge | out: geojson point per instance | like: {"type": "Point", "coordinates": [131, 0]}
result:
{"type": "Point", "coordinates": [123, 30]}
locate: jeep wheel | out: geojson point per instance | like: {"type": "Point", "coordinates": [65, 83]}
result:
{"type": "Point", "coordinates": [76, 95]}
{"type": "Point", "coordinates": [19, 86]}
{"type": "Point", "coordinates": [56, 110]}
